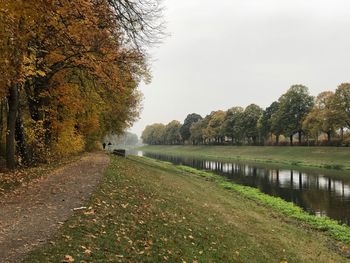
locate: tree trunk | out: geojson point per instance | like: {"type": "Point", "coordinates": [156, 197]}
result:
{"type": "Point", "coordinates": [299, 136]}
{"type": "Point", "coordinates": [277, 139]}
{"type": "Point", "coordinates": [254, 140]}
{"type": "Point", "coordinates": [35, 89]}
{"type": "Point", "coordinates": [341, 134]}
{"type": "Point", "coordinates": [291, 140]}
{"type": "Point", "coordinates": [1, 120]}
{"type": "Point", "coordinates": [11, 127]}
{"type": "Point", "coordinates": [20, 138]}
{"type": "Point", "coordinates": [329, 137]}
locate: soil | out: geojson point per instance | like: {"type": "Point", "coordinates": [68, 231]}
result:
{"type": "Point", "coordinates": [32, 214]}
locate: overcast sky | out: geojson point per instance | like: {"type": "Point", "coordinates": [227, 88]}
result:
{"type": "Point", "coordinates": [229, 53]}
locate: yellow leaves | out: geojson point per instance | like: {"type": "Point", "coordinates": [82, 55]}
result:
{"type": "Point", "coordinates": [29, 60]}
{"type": "Point", "coordinates": [68, 141]}
{"type": "Point", "coordinates": [35, 131]}
{"type": "Point", "coordinates": [29, 68]}
{"type": "Point", "coordinates": [41, 73]}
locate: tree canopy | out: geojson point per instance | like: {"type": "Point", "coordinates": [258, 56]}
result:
{"type": "Point", "coordinates": [185, 128]}
{"type": "Point", "coordinates": [70, 72]}
{"type": "Point", "coordinates": [294, 105]}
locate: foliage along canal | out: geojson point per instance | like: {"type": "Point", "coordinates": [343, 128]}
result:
{"type": "Point", "coordinates": [320, 194]}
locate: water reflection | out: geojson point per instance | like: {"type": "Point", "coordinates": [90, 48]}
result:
{"type": "Point", "coordinates": [319, 194]}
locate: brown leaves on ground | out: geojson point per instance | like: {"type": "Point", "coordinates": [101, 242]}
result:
{"type": "Point", "coordinates": [68, 259]}
{"type": "Point", "coordinates": [11, 181]}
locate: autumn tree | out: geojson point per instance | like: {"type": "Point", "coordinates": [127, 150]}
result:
{"type": "Point", "coordinates": [293, 107]}
{"type": "Point", "coordinates": [265, 123]}
{"type": "Point", "coordinates": [341, 105]}
{"type": "Point", "coordinates": [71, 71]}
{"type": "Point", "coordinates": [185, 128]}
{"type": "Point", "coordinates": [232, 124]}
{"type": "Point", "coordinates": [146, 135]}
{"type": "Point", "coordinates": [214, 132]}
{"type": "Point", "coordinates": [154, 134]}
{"type": "Point", "coordinates": [249, 122]}
{"type": "Point", "coordinates": [172, 133]}
{"type": "Point", "coordinates": [322, 118]}
{"type": "Point", "coordinates": [196, 130]}
{"type": "Point", "coordinates": [20, 21]}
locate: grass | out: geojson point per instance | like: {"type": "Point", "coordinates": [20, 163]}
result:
{"type": "Point", "coordinates": [150, 211]}
{"type": "Point", "coordinates": [337, 158]}
{"type": "Point", "coordinates": [332, 227]}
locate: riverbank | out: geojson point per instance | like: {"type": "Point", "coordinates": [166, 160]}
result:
{"type": "Point", "coordinates": [336, 158]}
{"type": "Point", "coordinates": [150, 211]}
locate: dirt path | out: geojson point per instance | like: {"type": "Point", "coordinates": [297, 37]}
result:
{"type": "Point", "coordinates": [32, 214]}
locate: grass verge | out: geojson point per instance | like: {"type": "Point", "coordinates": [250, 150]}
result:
{"type": "Point", "coordinates": [150, 211]}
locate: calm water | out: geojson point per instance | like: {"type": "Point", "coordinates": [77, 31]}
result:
{"type": "Point", "coordinates": [318, 193]}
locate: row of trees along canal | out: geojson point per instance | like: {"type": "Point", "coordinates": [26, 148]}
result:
{"type": "Point", "coordinates": [69, 73]}
{"type": "Point", "coordinates": [296, 116]}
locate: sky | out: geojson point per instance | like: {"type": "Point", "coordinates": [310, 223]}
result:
{"type": "Point", "coordinates": [226, 53]}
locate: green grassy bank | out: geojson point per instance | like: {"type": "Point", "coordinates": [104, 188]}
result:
{"type": "Point", "coordinates": [149, 211]}
{"type": "Point", "coordinates": [317, 157]}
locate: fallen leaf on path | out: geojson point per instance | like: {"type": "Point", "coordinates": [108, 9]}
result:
{"type": "Point", "coordinates": [91, 212]}
{"type": "Point", "coordinates": [68, 259]}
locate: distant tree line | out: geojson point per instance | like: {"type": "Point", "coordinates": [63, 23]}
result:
{"type": "Point", "coordinates": [296, 118]}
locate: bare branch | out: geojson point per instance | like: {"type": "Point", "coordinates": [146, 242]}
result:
{"type": "Point", "coordinates": [140, 20]}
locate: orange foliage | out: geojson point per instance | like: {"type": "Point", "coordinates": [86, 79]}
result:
{"type": "Point", "coordinates": [78, 76]}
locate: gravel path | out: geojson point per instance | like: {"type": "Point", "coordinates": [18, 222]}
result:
{"type": "Point", "coordinates": [34, 213]}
